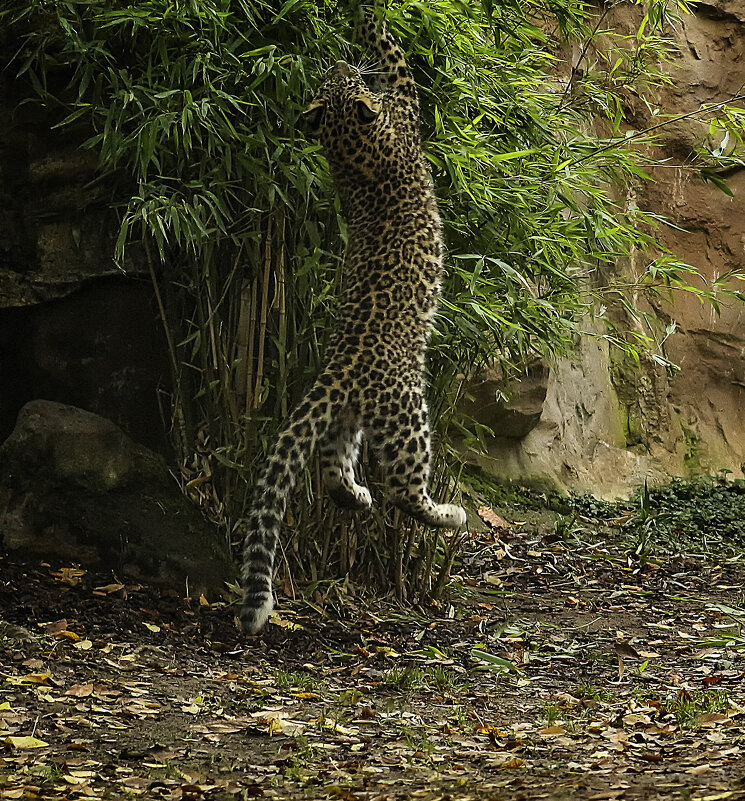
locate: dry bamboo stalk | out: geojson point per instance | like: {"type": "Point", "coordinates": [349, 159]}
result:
{"type": "Point", "coordinates": [282, 309]}
{"type": "Point", "coordinates": [264, 312]}
{"type": "Point", "coordinates": [397, 566]}
{"type": "Point", "coordinates": [230, 395]}
{"type": "Point", "coordinates": [344, 546]}
{"type": "Point", "coordinates": [252, 320]}
{"type": "Point", "coordinates": [242, 344]}
{"type": "Point", "coordinates": [410, 540]}
{"type": "Point", "coordinates": [322, 519]}
{"type": "Point", "coordinates": [425, 578]}
{"type": "Point", "coordinates": [177, 413]}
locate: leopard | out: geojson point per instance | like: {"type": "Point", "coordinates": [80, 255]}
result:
{"type": "Point", "coordinates": [373, 382]}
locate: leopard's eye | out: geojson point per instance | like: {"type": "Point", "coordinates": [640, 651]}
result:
{"type": "Point", "coordinates": [365, 112]}
{"type": "Point", "coordinates": [313, 116]}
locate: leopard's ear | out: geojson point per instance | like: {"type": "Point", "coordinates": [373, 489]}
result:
{"type": "Point", "coordinates": [313, 116]}
{"type": "Point", "coordinates": [367, 112]}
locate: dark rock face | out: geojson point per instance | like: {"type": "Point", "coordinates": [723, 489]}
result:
{"type": "Point", "coordinates": [74, 326]}
{"type": "Point", "coordinates": [57, 230]}
{"type": "Point", "coordinates": [73, 485]}
{"type": "Point", "coordinates": [101, 348]}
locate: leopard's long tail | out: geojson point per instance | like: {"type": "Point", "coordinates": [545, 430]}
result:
{"type": "Point", "coordinates": [308, 423]}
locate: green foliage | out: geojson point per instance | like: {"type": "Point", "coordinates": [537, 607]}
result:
{"type": "Point", "coordinates": [404, 678]}
{"type": "Point", "coordinates": [702, 513]}
{"type": "Point", "coordinates": [191, 107]}
{"type": "Point", "coordinates": [288, 679]}
{"type": "Point", "coordinates": [688, 707]}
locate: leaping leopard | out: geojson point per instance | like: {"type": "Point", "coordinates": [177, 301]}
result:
{"type": "Point", "coordinates": [373, 380]}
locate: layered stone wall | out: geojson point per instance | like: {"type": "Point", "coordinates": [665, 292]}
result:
{"type": "Point", "coordinates": [73, 327]}
{"type": "Point", "coordinates": [606, 424]}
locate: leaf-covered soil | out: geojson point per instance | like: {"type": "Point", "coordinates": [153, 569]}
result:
{"type": "Point", "coordinates": [559, 668]}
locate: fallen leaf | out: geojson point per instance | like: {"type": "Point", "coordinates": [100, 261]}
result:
{"type": "Point", "coordinates": [276, 620]}
{"type": "Point", "coordinates": [69, 575]}
{"type": "Point", "coordinates": [29, 678]}
{"type": "Point", "coordinates": [107, 589]}
{"type": "Point", "coordinates": [385, 650]}
{"type": "Point", "coordinates": [25, 742]}
{"type": "Point", "coordinates": [489, 516]}
{"type": "Point", "coordinates": [66, 635]}
{"type": "Point", "coordinates": [55, 626]}
{"type": "Point", "coordinates": [711, 719]}
{"type": "Point", "coordinates": [287, 727]}
{"type": "Point", "coordinates": [551, 731]}
{"type": "Point", "coordinates": [337, 791]}
{"type": "Point", "coordinates": [80, 690]}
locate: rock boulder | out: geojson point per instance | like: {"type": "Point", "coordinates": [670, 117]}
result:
{"type": "Point", "coordinates": [74, 486]}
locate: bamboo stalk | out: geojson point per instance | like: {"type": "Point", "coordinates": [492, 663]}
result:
{"type": "Point", "coordinates": [282, 311]}
{"type": "Point", "coordinates": [397, 557]}
{"type": "Point", "coordinates": [242, 343]}
{"type": "Point", "coordinates": [177, 414]}
{"type": "Point", "coordinates": [264, 313]}
{"type": "Point", "coordinates": [407, 550]}
{"type": "Point", "coordinates": [344, 547]}
{"type": "Point", "coordinates": [250, 366]}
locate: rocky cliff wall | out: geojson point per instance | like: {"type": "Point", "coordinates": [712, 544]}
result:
{"type": "Point", "coordinates": [607, 425]}
{"type": "Point", "coordinates": [73, 327]}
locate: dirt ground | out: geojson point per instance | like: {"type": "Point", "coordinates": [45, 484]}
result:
{"type": "Point", "coordinates": [562, 666]}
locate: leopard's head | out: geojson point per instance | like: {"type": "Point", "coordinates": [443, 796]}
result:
{"type": "Point", "coordinates": [352, 122]}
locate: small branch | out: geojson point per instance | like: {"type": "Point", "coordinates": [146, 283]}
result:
{"type": "Point", "coordinates": [622, 140]}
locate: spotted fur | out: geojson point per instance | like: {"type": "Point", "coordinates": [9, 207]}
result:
{"type": "Point", "coordinates": [373, 381]}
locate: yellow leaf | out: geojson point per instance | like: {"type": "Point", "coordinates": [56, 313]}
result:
{"type": "Point", "coordinates": [70, 779]}
{"type": "Point", "coordinates": [386, 651]}
{"type": "Point", "coordinates": [151, 626]}
{"type": "Point", "coordinates": [29, 678]}
{"type": "Point", "coordinates": [276, 620]}
{"type": "Point", "coordinates": [25, 742]}
{"type": "Point", "coordinates": [69, 575]}
{"type": "Point", "coordinates": [109, 588]}
{"type": "Point", "coordinates": [66, 635]}
{"type": "Point", "coordinates": [279, 725]}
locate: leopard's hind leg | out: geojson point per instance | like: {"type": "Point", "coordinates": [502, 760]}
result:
{"type": "Point", "coordinates": [338, 452]}
{"type": "Point", "coordinates": [399, 433]}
